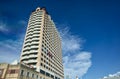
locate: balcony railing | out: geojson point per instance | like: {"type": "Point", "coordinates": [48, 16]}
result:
{"type": "Point", "coordinates": [30, 56]}
{"type": "Point", "coordinates": [25, 57]}
{"type": "Point", "coordinates": [31, 61]}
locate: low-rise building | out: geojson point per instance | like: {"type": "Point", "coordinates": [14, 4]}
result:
{"type": "Point", "coordinates": [21, 71]}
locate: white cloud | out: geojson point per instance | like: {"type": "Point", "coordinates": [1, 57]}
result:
{"type": "Point", "coordinates": [76, 62]}
{"type": "Point", "coordinates": [70, 43]}
{"type": "Point", "coordinates": [22, 22]}
{"type": "Point", "coordinates": [83, 56]}
{"type": "Point", "coordinates": [116, 76]}
{"type": "Point", "coordinates": [3, 27]}
{"type": "Point", "coordinates": [105, 76]}
{"type": "Point", "coordinates": [10, 49]}
{"type": "Point", "coordinates": [77, 66]}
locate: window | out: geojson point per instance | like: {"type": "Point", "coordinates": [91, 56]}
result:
{"type": "Point", "coordinates": [44, 66]}
{"type": "Point", "coordinates": [42, 72]}
{"type": "Point", "coordinates": [42, 50]}
{"type": "Point", "coordinates": [32, 75]}
{"type": "Point", "coordinates": [37, 77]}
{"type": "Point", "coordinates": [52, 76]}
{"type": "Point", "coordinates": [40, 77]}
{"type": "Point", "coordinates": [42, 59]}
{"type": "Point", "coordinates": [42, 54]}
{"type": "Point", "coordinates": [27, 74]}
{"type": "Point", "coordinates": [41, 64]}
{"type": "Point", "coordinates": [47, 74]}
{"type": "Point", "coordinates": [12, 71]}
{"type": "Point", "coordinates": [22, 72]}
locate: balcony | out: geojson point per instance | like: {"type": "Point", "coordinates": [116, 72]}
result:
{"type": "Point", "coordinates": [36, 31]}
{"type": "Point", "coordinates": [32, 61]}
{"type": "Point", "coordinates": [37, 27]}
{"type": "Point", "coordinates": [35, 38]}
{"type": "Point", "coordinates": [32, 56]}
{"type": "Point", "coordinates": [36, 35]}
{"type": "Point", "coordinates": [33, 51]}
{"type": "Point", "coordinates": [26, 48]}
{"type": "Point", "coordinates": [28, 36]}
{"type": "Point", "coordinates": [24, 57]}
{"type": "Point", "coordinates": [33, 46]}
{"type": "Point", "coordinates": [24, 61]}
{"type": "Point", "coordinates": [34, 42]}
{"type": "Point", "coordinates": [25, 53]}
{"type": "Point", "coordinates": [26, 45]}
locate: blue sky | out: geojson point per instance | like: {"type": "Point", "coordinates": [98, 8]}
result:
{"type": "Point", "coordinates": [89, 30]}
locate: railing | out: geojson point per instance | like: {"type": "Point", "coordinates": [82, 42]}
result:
{"type": "Point", "coordinates": [30, 56]}
{"type": "Point", "coordinates": [24, 57]}
{"type": "Point", "coordinates": [30, 61]}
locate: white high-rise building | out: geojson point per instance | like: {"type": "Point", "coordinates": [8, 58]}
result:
{"type": "Point", "coordinates": [42, 45]}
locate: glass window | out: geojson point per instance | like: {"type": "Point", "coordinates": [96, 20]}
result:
{"type": "Point", "coordinates": [11, 71]}
{"type": "Point", "coordinates": [40, 77]}
{"type": "Point", "coordinates": [37, 76]}
{"type": "Point", "coordinates": [41, 64]}
{"type": "Point", "coordinates": [27, 74]}
{"type": "Point", "coordinates": [42, 71]}
{"type": "Point", "coordinates": [32, 75]}
{"type": "Point", "coordinates": [22, 72]}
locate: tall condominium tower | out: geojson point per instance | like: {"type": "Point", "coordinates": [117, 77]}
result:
{"type": "Point", "coordinates": [42, 46]}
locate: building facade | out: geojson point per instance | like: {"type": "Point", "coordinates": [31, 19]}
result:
{"type": "Point", "coordinates": [19, 71]}
{"type": "Point", "coordinates": [42, 45]}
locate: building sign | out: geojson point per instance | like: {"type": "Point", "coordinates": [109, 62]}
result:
{"type": "Point", "coordinates": [50, 55]}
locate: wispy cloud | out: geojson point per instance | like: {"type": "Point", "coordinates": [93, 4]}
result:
{"type": "Point", "coordinates": [3, 27]}
{"type": "Point", "coordinates": [8, 28]}
{"type": "Point", "coordinates": [77, 65]}
{"type": "Point", "coordinates": [70, 43]}
{"type": "Point", "coordinates": [76, 62]}
{"type": "Point", "coordinates": [111, 76]}
{"type": "Point", "coordinates": [10, 48]}
{"type": "Point", "coordinates": [22, 22]}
